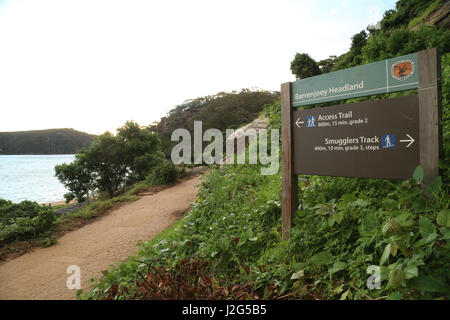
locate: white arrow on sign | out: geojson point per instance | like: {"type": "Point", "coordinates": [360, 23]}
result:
{"type": "Point", "coordinates": [410, 140]}
{"type": "Point", "coordinates": [298, 122]}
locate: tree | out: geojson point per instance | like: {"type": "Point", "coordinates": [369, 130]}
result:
{"type": "Point", "coordinates": [141, 150]}
{"type": "Point", "coordinates": [326, 65]}
{"type": "Point", "coordinates": [303, 66]}
{"type": "Point", "coordinates": [75, 178]}
{"type": "Point", "coordinates": [106, 164]}
{"type": "Point", "coordinates": [359, 41]}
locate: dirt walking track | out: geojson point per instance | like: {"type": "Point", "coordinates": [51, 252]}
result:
{"type": "Point", "coordinates": [41, 274]}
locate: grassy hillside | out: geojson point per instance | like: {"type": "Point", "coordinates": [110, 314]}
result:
{"type": "Point", "coordinates": [52, 141]}
{"type": "Point", "coordinates": [231, 238]}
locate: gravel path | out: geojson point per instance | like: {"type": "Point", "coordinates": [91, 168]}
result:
{"type": "Point", "coordinates": [41, 274]}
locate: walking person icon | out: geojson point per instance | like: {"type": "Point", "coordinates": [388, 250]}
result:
{"type": "Point", "coordinates": [388, 141]}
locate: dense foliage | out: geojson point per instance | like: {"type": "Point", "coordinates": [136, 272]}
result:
{"type": "Point", "coordinates": [303, 66]}
{"type": "Point", "coordinates": [164, 172]}
{"type": "Point", "coordinates": [409, 13]}
{"type": "Point", "coordinates": [53, 141]}
{"type": "Point", "coordinates": [23, 220]}
{"type": "Point", "coordinates": [113, 162]}
{"type": "Point", "coordinates": [224, 110]}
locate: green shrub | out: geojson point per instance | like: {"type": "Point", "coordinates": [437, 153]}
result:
{"type": "Point", "coordinates": [49, 241]}
{"type": "Point", "coordinates": [24, 220]}
{"type": "Point", "coordinates": [164, 172]}
{"type": "Point", "coordinates": [10, 211]}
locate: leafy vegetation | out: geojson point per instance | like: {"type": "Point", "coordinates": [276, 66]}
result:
{"type": "Point", "coordinates": [23, 220]}
{"type": "Point", "coordinates": [303, 66]}
{"type": "Point", "coordinates": [342, 227]}
{"type": "Point", "coordinates": [408, 11]}
{"type": "Point", "coordinates": [164, 172]}
{"type": "Point", "coordinates": [425, 13]}
{"type": "Point", "coordinates": [53, 141]}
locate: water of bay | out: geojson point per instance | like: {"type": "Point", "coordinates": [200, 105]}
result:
{"type": "Point", "coordinates": [31, 177]}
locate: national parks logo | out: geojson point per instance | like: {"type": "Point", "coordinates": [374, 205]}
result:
{"type": "Point", "coordinates": [402, 70]}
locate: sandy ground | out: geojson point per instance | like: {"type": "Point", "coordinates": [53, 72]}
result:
{"type": "Point", "coordinates": [41, 274]}
{"type": "Point", "coordinates": [57, 203]}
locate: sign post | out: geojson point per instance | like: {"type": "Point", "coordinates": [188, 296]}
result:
{"type": "Point", "coordinates": [430, 113]}
{"type": "Point", "coordinates": [289, 180]}
{"type": "Point", "coordinates": [384, 139]}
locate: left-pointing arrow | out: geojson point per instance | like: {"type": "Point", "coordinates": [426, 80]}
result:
{"type": "Point", "coordinates": [298, 122]}
{"type": "Point", "coordinates": [410, 140]}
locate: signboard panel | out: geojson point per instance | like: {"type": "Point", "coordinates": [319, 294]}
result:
{"type": "Point", "coordinates": [373, 139]}
{"type": "Point", "coordinates": [396, 74]}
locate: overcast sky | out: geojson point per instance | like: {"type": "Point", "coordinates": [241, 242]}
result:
{"type": "Point", "coordinates": [93, 64]}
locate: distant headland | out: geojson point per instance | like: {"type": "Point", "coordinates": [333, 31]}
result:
{"type": "Point", "coordinates": [50, 141]}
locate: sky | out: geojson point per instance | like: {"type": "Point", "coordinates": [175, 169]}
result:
{"type": "Point", "coordinates": [92, 65]}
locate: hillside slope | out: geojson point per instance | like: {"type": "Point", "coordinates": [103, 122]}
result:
{"type": "Point", "coordinates": [52, 141]}
{"type": "Point", "coordinates": [224, 110]}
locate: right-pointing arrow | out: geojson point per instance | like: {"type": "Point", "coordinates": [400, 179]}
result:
{"type": "Point", "coordinates": [410, 140]}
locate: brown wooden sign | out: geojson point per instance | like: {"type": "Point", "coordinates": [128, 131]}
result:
{"type": "Point", "coordinates": [376, 139]}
